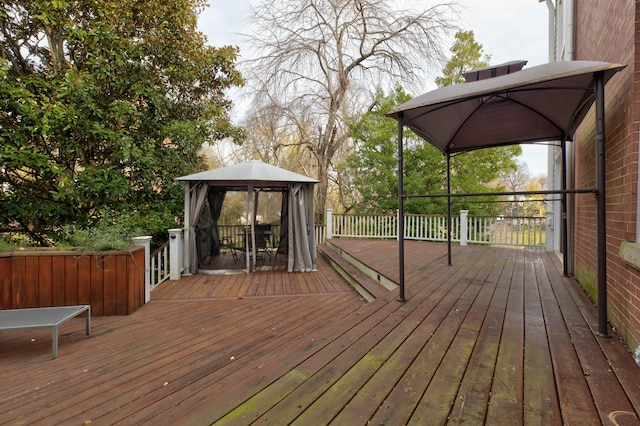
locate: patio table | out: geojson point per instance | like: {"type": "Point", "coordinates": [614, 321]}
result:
{"type": "Point", "coordinates": [19, 319]}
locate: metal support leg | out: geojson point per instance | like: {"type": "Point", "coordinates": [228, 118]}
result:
{"type": "Point", "coordinates": [54, 340]}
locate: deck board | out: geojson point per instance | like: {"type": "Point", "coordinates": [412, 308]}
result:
{"type": "Point", "coordinates": [540, 396]}
{"type": "Point", "coordinates": [573, 392]}
{"type": "Point", "coordinates": [432, 341]}
{"type": "Point", "coordinates": [506, 397]}
{"type": "Point", "coordinates": [499, 338]}
{"type": "Point", "coordinates": [470, 405]}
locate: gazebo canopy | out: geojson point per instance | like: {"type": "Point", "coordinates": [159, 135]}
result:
{"type": "Point", "coordinates": [542, 103]}
{"type": "Point", "coordinates": [255, 173]}
{"type": "Point", "coordinates": [297, 225]}
{"type": "Point", "coordinates": [504, 105]}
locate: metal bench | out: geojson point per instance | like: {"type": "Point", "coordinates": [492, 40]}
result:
{"type": "Point", "coordinates": [19, 319]}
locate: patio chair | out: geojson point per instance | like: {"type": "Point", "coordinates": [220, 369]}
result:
{"type": "Point", "coordinates": [227, 244]}
{"type": "Point", "coordinates": [262, 245]}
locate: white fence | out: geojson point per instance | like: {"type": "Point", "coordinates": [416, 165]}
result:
{"type": "Point", "coordinates": [164, 263]}
{"type": "Point", "coordinates": [465, 229]}
{"type": "Point", "coordinates": [160, 265]}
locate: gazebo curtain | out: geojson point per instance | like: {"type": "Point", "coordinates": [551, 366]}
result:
{"type": "Point", "coordinates": [302, 241]}
{"type": "Point", "coordinates": [283, 245]}
{"type": "Point", "coordinates": [216, 198]}
{"type": "Point", "coordinates": [198, 196]}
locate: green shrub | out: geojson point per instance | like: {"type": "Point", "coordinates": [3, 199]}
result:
{"type": "Point", "coordinates": [104, 236]}
{"type": "Point", "coordinates": [112, 231]}
{"type": "Point", "coordinates": [14, 241]}
{"type": "Point", "coordinates": [8, 246]}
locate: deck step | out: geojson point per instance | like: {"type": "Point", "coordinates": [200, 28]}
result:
{"type": "Point", "coordinates": [374, 274]}
{"type": "Point", "coordinates": [356, 274]}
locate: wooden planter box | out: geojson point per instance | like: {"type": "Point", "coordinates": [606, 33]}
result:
{"type": "Point", "coordinates": [111, 282]}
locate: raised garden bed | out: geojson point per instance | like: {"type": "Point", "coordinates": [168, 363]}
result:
{"type": "Point", "coordinates": [111, 282]}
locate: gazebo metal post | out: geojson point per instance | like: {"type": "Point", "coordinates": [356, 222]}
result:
{"type": "Point", "coordinates": [254, 215]}
{"type": "Point", "coordinates": [565, 229]}
{"type": "Point", "coordinates": [186, 257]}
{"type": "Point", "coordinates": [601, 206]}
{"type": "Point", "coordinates": [449, 207]}
{"type": "Point", "coordinates": [246, 236]}
{"type": "Point", "coordinates": [401, 297]}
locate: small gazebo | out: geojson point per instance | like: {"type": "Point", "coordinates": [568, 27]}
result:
{"type": "Point", "coordinates": [504, 105]}
{"type": "Point", "coordinates": [297, 231]}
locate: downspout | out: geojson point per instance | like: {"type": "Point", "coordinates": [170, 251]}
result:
{"type": "Point", "coordinates": [601, 207]}
{"type": "Point", "coordinates": [552, 30]}
{"type": "Point", "coordinates": [565, 221]}
{"type": "Point", "coordinates": [569, 36]}
{"type": "Point", "coordinates": [569, 30]}
{"type": "Point", "coordinates": [554, 230]}
{"type": "Point", "coordinates": [638, 199]}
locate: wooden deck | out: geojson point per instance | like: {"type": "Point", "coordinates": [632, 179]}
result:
{"type": "Point", "coordinates": [499, 338]}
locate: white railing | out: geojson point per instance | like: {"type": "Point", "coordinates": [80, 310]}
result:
{"type": "Point", "coordinates": [363, 226]}
{"type": "Point", "coordinates": [430, 227]}
{"type": "Point", "coordinates": [321, 234]}
{"type": "Point", "coordinates": [160, 265]}
{"type": "Point", "coordinates": [145, 241]}
{"type": "Point", "coordinates": [165, 262]}
{"type": "Point", "coordinates": [508, 230]}
{"type": "Point", "coordinates": [465, 229]}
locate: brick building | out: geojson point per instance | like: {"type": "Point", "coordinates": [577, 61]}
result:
{"type": "Point", "coordinates": [604, 30]}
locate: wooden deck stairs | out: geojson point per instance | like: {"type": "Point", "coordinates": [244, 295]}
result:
{"type": "Point", "coordinates": [368, 282]}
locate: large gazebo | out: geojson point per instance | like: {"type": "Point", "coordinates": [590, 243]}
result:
{"type": "Point", "coordinates": [297, 231]}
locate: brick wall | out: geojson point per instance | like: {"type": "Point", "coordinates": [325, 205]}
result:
{"type": "Point", "coordinates": [608, 30]}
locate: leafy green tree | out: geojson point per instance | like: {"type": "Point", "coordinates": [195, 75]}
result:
{"type": "Point", "coordinates": [375, 159]}
{"type": "Point", "coordinates": [424, 166]}
{"type": "Point", "coordinates": [375, 165]}
{"type": "Point", "coordinates": [103, 104]}
{"type": "Point", "coordinates": [467, 55]}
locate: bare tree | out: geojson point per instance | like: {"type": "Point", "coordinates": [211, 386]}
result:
{"type": "Point", "coordinates": [516, 179]}
{"type": "Point", "coordinates": [520, 179]}
{"type": "Point", "coordinates": [317, 61]}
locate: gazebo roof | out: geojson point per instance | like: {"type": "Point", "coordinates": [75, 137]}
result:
{"type": "Point", "coordinates": [255, 173]}
{"type": "Point", "coordinates": [542, 103]}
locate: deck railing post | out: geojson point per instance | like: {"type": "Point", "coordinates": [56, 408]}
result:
{"type": "Point", "coordinates": [549, 231]}
{"type": "Point", "coordinates": [329, 225]}
{"type": "Point", "coordinates": [175, 253]}
{"type": "Point", "coordinates": [463, 227]}
{"type": "Point", "coordinates": [146, 243]}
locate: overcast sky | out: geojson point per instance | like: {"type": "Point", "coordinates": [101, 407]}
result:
{"type": "Point", "coordinates": [507, 30]}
